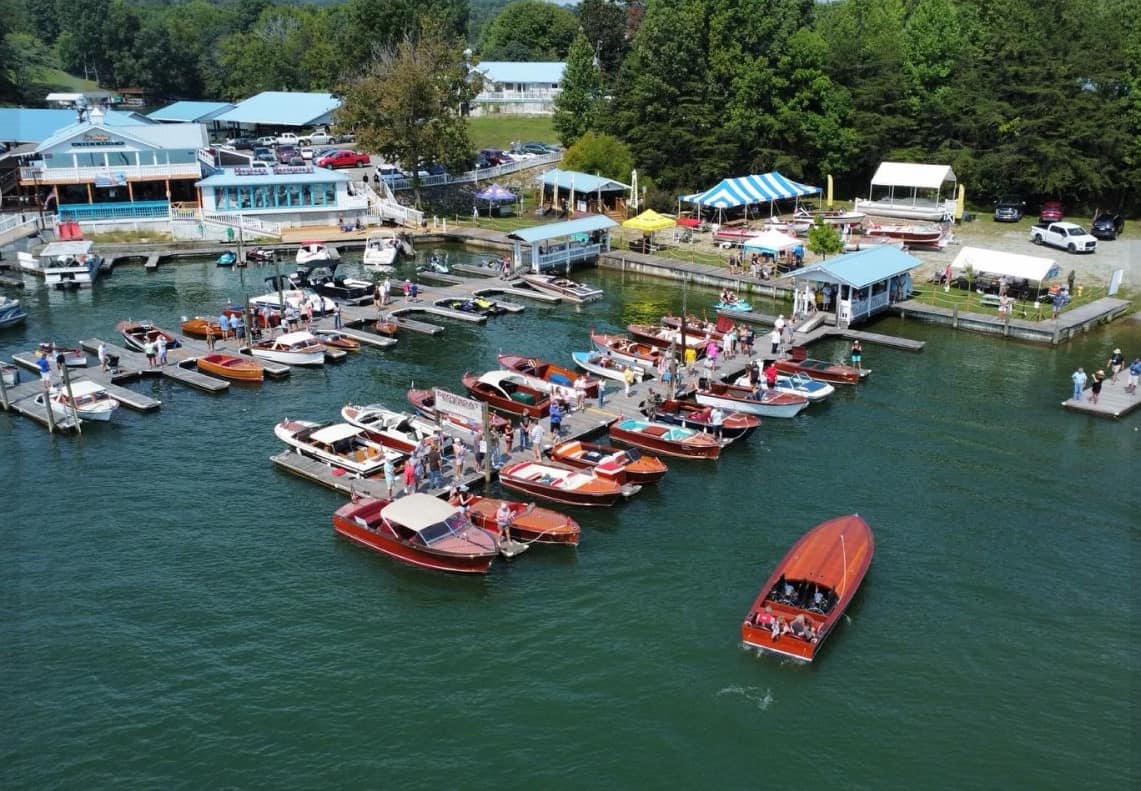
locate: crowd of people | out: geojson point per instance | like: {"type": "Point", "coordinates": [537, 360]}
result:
{"type": "Point", "coordinates": [1117, 366]}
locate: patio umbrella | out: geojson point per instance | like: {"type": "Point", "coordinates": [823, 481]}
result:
{"type": "Point", "coordinates": [648, 222]}
{"type": "Point", "coordinates": [495, 194]}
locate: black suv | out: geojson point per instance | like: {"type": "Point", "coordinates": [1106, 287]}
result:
{"type": "Point", "coordinates": [1107, 225]}
{"type": "Point", "coordinates": [1009, 209]}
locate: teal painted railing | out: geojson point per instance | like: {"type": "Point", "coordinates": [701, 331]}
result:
{"type": "Point", "coordinates": [114, 211]}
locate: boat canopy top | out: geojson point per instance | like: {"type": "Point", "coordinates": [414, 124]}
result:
{"type": "Point", "coordinates": [335, 433]}
{"type": "Point", "coordinates": [498, 378]}
{"type": "Point", "coordinates": [418, 511]}
{"type": "Point", "coordinates": [908, 174]}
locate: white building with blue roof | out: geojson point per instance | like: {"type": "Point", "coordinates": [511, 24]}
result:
{"type": "Point", "coordinates": [288, 196]}
{"type": "Point", "coordinates": [518, 88]}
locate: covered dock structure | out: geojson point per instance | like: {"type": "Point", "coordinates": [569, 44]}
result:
{"type": "Point", "coordinates": [862, 284]}
{"type": "Point", "coordinates": [574, 192]}
{"type": "Point", "coordinates": [556, 246]}
{"type": "Point", "coordinates": [911, 191]}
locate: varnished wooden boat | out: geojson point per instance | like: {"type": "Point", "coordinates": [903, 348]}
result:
{"type": "Point", "coordinates": [198, 326]}
{"type": "Point", "coordinates": [695, 326]}
{"type": "Point", "coordinates": [294, 348]}
{"type": "Point", "coordinates": [421, 530]}
{"type": "Point", "coordinates": [337, 444]}
{"type": "Point", "coordinates": [563, 484]}
{"type": "Point", "coordinates": [735, 425]}
{"type": "Point", "coordinates": [627, 351]}
{"type": "Point", "coordinates": [807, 593]}
{"type": "Point", "coordinates": [623, 466]}
{"type": "Point", "coordinates": [663, 337]}
{"type": "Point", "coordinates": [601, 365]}
{"type": "Point", "coordinates": [453, 425]}
{"type": "Point", "coordinates": [231, 366]}
{"type": "Point", "coordinates": [72, 358]}
{"type": "Point", "coordinates": [761, 402]}
{"type": "Point", "coordinates": [136, 334]}
{"type": "Point", "coordinates": [387, 327]}
{"type": "Point", "coordinates": [546, 372]}
{"type": "Point", "coordinates": [528, 523]}
{"type": "Point", "coordinates": [570, 290]}
{"type": "Point", "coordinates": [337, 340]}
{"type": "Point", "coordinates": [669, 440]}
{"type": "Point", "coordinates": [398, 430]}
{"type": "Point", "coordinates": [836, 373]}
{"type": "Point", "coordinates": [507, 392]}
{"type": "Point", "coordinates": [908, 234]}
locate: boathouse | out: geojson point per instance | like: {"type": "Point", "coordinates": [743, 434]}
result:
{"type": "Point", "coordinates": [288, 196]}
{"type": "Point", "coordinates": [518, 88]}
{"type": "Point", "coordinates": [862, 284]}
{"type": "Point", "coordinates": [570, 192]}
{"type": "Point", "coordinates": [557, 246]}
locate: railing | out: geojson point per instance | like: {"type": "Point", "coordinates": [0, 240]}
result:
{"type": "Point", "coordinates": [232, 220]}
{"type": "Point", "coordinates": [548, 94]}
{"type": "Point", "coordinates": [45, 175]}
{"type": "Point", "coordinates": [114, 211]}
{"type": "Point", "coordinates": [17, 226]}
{"type": "Point", "coordinates": [567, 253]}
{"type": "Point", "coordinates": [387, 208]}
{"type": "Point", "coordinates": [482, 174]}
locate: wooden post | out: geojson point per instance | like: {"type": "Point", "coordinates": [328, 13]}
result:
{"type": "Point", "coordinates": [3, 394]}
{"type": "Point", "coordinates": [486, 420]}
{"type": "Point", "coordinates": [74, 410]}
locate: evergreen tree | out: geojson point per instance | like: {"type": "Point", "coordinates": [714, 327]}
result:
{"type": "Point", "coordinates": [579, 103]}
{"type": "Point", "coordinates": [604, 25]}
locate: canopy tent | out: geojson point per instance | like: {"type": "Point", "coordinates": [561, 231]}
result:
{"type": "Point", "coordinates": [649, 221]}
{"type": "Point", "coordinates": [1011, 265]}
{"type": "Point", "coordinates": [747, 190]}
{"type": "Point", "coordinates": [495, 194]}
{"type": "Point", "coordinates": [773, 242]}
{"type": "Point", "coordinates": [908, 174]}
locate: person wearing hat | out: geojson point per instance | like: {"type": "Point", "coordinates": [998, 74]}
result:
{"type": "Point", "coordinates": [1095, 386]}
{"type": "Point", "coordinates": [1115, 363]}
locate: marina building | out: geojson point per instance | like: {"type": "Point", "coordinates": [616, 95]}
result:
{"type": "Point", "coordinates": [518, 88]}
{"type": "Point", "coordinates": [275, 111]}
{"type": "Point", "coordinates": [288, 196]}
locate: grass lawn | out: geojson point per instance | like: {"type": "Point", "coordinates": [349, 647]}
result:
{"type": "Point", "coordinates": [500, 131]}
{"type": "Point", "coordinates": [60, 81]}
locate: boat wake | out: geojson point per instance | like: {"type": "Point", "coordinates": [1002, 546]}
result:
{"type": "Point", "coordinates": [753, 694]}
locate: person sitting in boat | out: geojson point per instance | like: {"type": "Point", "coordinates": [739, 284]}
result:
{"type": "Point", "coordinates": [802, 628]}
{"type": "Point", "coordinates": [725, 296]}
{"type": "Point", "coordinates": [764, 619]}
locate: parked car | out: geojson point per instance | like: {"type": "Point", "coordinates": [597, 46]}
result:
{"type": "Point", "coordinates": [1107, 225]}
{"type": "Point", "coordinates": [269, 141]}
{"type": "Point", "coordinates": [535, 147]}
{"type": "Point", "coordinates": [390, 173]}
{"type": "Point", "coordinates": [482, 162]}
{"type": "Point", "coordinates": [242, 143]}
{"type": "Point", "coordinates": [1066, 235]}
{"type": "Point", "coordinates": [494, 155]}
{"type": "Point", "coordinates": [343, 158]}
{"type": "Point", "coordinates": [318, 138]}
{"type": "Point", "coordinates": [286, 153]}
{"type": "Point", "coordinates": [1052, 211]}
{"type": "Point", "coordinates": [433, 170]}
{"type": "Point", "coordinates": [263, 154]}
{"type": "Point", "coordinates": [287, 139]}
{"type": "Point", "coordinates": [1009, 209]}
{"type": "Point", "coordinates": [307, 153]}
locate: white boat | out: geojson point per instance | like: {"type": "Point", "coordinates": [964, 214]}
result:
{"type": "Point", "coordinates": [92, 401]}
{"type": "Point", "coordinates": [315, 252]}
{"type": "Point", "coordinates": [830, 216]}
{"type": "Point", "coordinates": [63, 264]}
{"type": "Point", "coordinates": [293, 348]}
{"type": "Point", "coordinates": [10, 373]}
{"type": "Point", "coordinates": [339, 444]}
{"type": "Point", "coordinates": [928, 210]}
{"type": "Point", "coordinates": [570, 290]}
{"type": "Point", "coordinates": [11, 313]}
{"type": "Point", "coordinates": [798, 383]}
{"type": "Point", "coordinates": [294, 298]}
{"type": "Point", "coordinates": [380, 251]}
{"type": "Point", "coordinates": [398, 430]}
{"type": "Point", "coordinates": [599, 364]}
{"type": "Point", "coordinates": [765, 403]}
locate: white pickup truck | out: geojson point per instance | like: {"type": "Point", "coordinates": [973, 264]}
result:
{"type": "Point", "coordinates": [318, 138]}
{"type": "Point", "coordinates": [1066, 235]}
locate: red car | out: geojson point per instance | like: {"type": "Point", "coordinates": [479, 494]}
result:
{"type": "Point", "coordinates": [343, 159]}
{"type": "Point", "coordinates": [1052, 211]}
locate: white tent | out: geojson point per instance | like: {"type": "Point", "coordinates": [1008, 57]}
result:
{"type": "Point", "coordinates": [1012, 265]}
{"type": "Point", "coordinates": [908, 174]}
{"type": "Point", "coordinates": [771, 242]}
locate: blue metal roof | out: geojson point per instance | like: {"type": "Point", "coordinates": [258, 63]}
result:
{"type": "Point", "coordinates": [282, 108]}
{"type": "Point", "coordinates": [522, 72]}
{"type": "Point", "coordinates": [762, 188]}
{"type": "Point", "coordinates": [861, 268]}
{"type": "Point", "coordinates": [177, 137]}
{"type": "Point", "coordinates": [191, 111]}
{"type": "Point", "coordinates": [555, 230]}
{"type": "Point", "coordinates": [582, 182]}
{"type": "Point", "coordinates": [238, 177]}
{"type": "Point", "coordinates": [35, 125]}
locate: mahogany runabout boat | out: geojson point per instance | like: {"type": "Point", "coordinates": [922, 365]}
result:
{"type": "Point", "coordinates": [563, 484]}
{"type": "Point", "coordinates": [810, 588]}
{"type": "Point", "coordinates": [200, 327]}
{"type": "Point", "coordinates": [528, 523]}
{"type": "Point", "coordinates": [424, 402]}
{"type": "Point", "coordinates": [622, 466]}
{"type": "Point", "coordinates": [547, 372]}
{"type": "Point", "coordinates": [735, 425]}
{"type": "Point", "coordinates": [136, 334]}
{"type": "Point", "coordinates": [766, 403]}
{"type": "Point", "coordinates": [507, 392]}
{"type": "Point", "coordinates": [419, 529]}
{"type": "Point", "coordinates": [337, 340]}
{"type": "Point", "coordinates": [836, 373]}
{"type": "Point", "coordinates": [669, 440]}
{"type": "Point", "coordinates": [570, 290]}
{"type": "Point", "coordinates": [390, 428]}
{"type": "Point", "coordinates": [230, 366]}
{"type": "Point", "coordinates": [663, 337]}
{"type": "Point", "coordinates": [627, 351]}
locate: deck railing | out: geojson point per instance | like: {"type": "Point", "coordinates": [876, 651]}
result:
{"type": "Point", "coordinates": [483, 174]}
{"type": "Point", "coordinates": [137, 210]}
{"type": "Point", "coordinates": [45, 175]}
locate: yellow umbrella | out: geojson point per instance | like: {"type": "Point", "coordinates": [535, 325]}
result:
{"type": "Point", "coordinates": [649, 221]}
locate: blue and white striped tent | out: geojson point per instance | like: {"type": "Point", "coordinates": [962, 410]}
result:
{"type": "Point", "coordinates": [747, 190]}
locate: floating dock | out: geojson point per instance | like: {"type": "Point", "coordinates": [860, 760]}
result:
{"type": "Point", "coordinates": [1113, 402]}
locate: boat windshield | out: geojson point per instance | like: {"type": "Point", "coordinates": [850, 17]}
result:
{"type": "Point", "coordinates": [804, 595]}
{"type": "Point", "coordinates": [450, 526]}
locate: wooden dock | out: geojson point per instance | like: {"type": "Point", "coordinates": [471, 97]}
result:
{"type": "Point", "coordinates": [137, 362]}
{"type": "Point", "coordinates": [1070, 323]}
{"type": "Point", "coordinates": [1113, 402]}
{"type": "Point", "coordinates": [107, 379]}
{"type": "Point", "coordinates": [21, 400]}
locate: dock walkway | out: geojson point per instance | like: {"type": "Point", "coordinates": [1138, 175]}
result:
{"type": "Point", "coordinates": [1113, 402]}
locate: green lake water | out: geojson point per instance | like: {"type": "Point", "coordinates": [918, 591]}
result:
{"type": "Point", "coordinates": [179, 614]}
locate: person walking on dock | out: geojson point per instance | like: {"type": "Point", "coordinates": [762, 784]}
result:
{"type": "Point", "coordinates": [45, 371]}
{"type": "Point", "coordinates": [628, 378]}
{"type": "Point", "coordinates": [1115, 363]}
{"type": "Point", "coordinates": [337, 316]}
{"type": "Point", "coordinates": [1079, 379]}
{"type": "Point", "coordinates": [459, 457]}
{"type": "Point", "coordinates": [224, 325]}
{"type": "Point", "coordinates": [102, 353]}
{"type": "Point", "coordinates": [435, 468]}
{"type": "Point", "coordinates": [556, 413]}
{"type": "Point", "coordinates": [389, 477]}
{"type": "Point", "coordinates": [210, 336]}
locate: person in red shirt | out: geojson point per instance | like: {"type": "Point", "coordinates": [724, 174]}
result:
{"type": "Point", "coordinates": [771, 376]}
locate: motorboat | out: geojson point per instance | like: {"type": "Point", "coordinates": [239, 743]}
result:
{"type": "Point", "coordinates": [137, 334]}
{"type": "Point", "coordinates": [398, 430]}
{"type": "Point", "coordinates": [570, 290]}
{"type": "Point", "coordinates": [921, 235]}
{"type": "Point", "coordinates": [838, 217]}
{"type": "Point", "coordinates": [734, 425]}
{"type": "Point", "coordinates": [335, 339]}
{"type": "Point", "coordinates": [292, 348]}
{"type": "Point", "coordinates": [260, 255]}
{"type": "Point", "coordinates": [759, 401]}
{"type": "Point", "coordinates": [11, 313]}
{"type": "Point", "coordinates": [713, 330]}
{"type": "Point", "coordinates": [622, 465]}
{"type": "Point", "coordinates": [10, 374]}
{"type": "Point", "coordinates": [916, 209]}
{"type": "Point", "coordinates": [294, 298]}
{"type": "Point", "coordinates": [437, 263]}
{"type": "Point", "coordinates": [627, 351]}
{"type": "Point", "coordinates": [508, 392]}
{"type": "Point", "coordinates": [799, 383]}
{"type": "Point", "coordinates": [807, 593]}
{"type": "Point", "coordinates": [228, 258]}
{"type": "Point", "coordinates": [734, 234]}
{"type": "Point", "coordinates": [527, 521]}
{"type": "Point", "coordinates": [542, 375]}
{"type": "Point", "coordinates": [316, 251]}
{"type": "Point", "coordinates": [663, 337]}
{"type": "Point", "coordinates": [388, 327]}
{"type": "Point", "coordinates": [563, 484]}
{"type": "Point", "coordinates": [480, 305]}
{"type": "Point", "coordinates": [72, 358]}
{"type": "Point", "coordinates": [328, 283]}
{"type": "Point", "coordinates": [669, 440]}
{"type": "Point", "coordinates": [230, 366]}
{"type": "Point", "coordinates": [381, 249]}
{"type": "Point", "coordinates": [90, 400]}
{"type": "Point", "coordinates": [338, 444]}
{"type": "Point", "coordinates": [835, 373]}
{"type": "Point", "coordinates": [739, 305]}
{"type": "Point", "coordinates": [63, 264]}
{"type": "Point", "coordinates": [418, 529]}
{"type": "Point", "coordinates": [603, 365]}
{"type": "Point", "coordinates": [424, 401]}
{"type": "Point", "coordinates": [201, 327]}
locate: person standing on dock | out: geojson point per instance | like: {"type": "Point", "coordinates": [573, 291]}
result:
{"type": "Point", "coordinates": [209, 336]}
{"type": "Point", "coordinates": [1134, 375]}
{"type": "Point", "coordinates": [102, 353]}
{"type": "Point", "coordinates": [45, 371]}
{"type": "Point", "coordinates": [537, 439]}
{"type": "Point", "coordinates": [160, 350]}
{"type": "Point", "coordinates": [556, 413]}
{"type": "Point", "coordinates": [1095, 386]}
{"type": "Point", "coordinates": [826, 295]}
{"type": "Point", "coordinates": [224, 325]}
{"type": "Point", "coordinates": [508, 441]}
{"type": "Point", "coordinates": [1115, 363]}
{"type": "Point", "coordinates": [389, 477]}
{"type": "Point", "coordinates": [857, 353]}
{"type": "Point", "coordinates": [628, 378]}
{"type": "Point", "coordinates": [149, 351]}
{"type": "Point", "coordinates": [435, 467]}
{"type": "Point", "coordinates": [774, 340]}
{"type": "Point", "coordinates": [1079, 379]}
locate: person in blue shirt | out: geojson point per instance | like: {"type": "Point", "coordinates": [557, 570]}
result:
{"type": "Point", "coordinates": [1134, 375]}
{"type": "Point", "coordinates": [45, 371]}
{"type": "Point", "coordinates": [224, 325]}
{"type": "Point", "coordinates": [556, 419]}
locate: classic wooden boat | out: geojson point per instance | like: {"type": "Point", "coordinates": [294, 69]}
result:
{"type": "Point", "coordinates": [667, 439]}
{"type": "Point", "coordinates": [798, 383]}
{"type": "Point", "coordinates": [627, 351]}
{"type": "Point", "coordinates": [563, 484]}
{"type": "Point", "coordinates": [734, 234]}
{"type": "Point", "coordinates": [398, 430]}
{"type": "Point", "coordinates": [715, 330]}
{"type": "Point", "coordinates": [480, 305]}
{"type": "Point", "coordinates": [663, 337]}
{"type": "Point", "coordinates": [908, 234]}
{"type": "Point", "coordinates": [529, 522]}
{"type": "Point", "coordinates": [418, 529]}
{"type": "Point", "coordinates": [601, 365]}
{"type": "Point", "coordinates": [338, 444]}
{"type": "Point", "coordinates": [541, 374]}
{"type": "Point", "coordinates": [735, 425]}
{"type": "Point", "coordinates": [807, 593]}
{"type": "Point", "coordinates": [424, 402]}
{"type": "Point", "coordinates": [337, 340]}
{"type": "Point", "coordinates": [570, 290]}
{"type": "Point", "coordinates": [832, 216]}
{"type": "Point", "coordinates": [507, 392]}
{"type": "Point", "coordinates": [836, 373]}
{"type": "Point", "coordinates": [231, 366]}
{"type": "Point", "coordinates": [292, 348]}
{"type": "Point", "coordinates": [90, 400]}
{"type": "Point", "coordinates": [387, 327]}
{"type": "Point", "coordinates": [762, 402]}
{"type": "Point", "coordinates": [199, 326]}
{"type": "Point", "coordinates": [623, 466]}
{"type": "Point", "coordinates": [136, 334]}
{"type": "Point", "coordinates": [72, 358]}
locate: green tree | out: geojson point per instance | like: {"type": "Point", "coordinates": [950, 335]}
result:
{"type": "Point", "coordinates": [529, 30]}
{"type": "Point", "coordinates": [600, 153]}
{"type": "Point", "coordinates": [371, 26]}
{"type": "Point", "coordinates": [406, 104]}
{"type": "Point", "coordinates": [579, 103]}
{"type": "Point", "coordinates": [824, 239]}
{"type": "Point", "coordinates": [604, 25]}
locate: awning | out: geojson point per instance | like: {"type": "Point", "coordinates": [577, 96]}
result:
{"type": "Point", "coordinates": [495, 193]}
{"type": "Point", "coordinates": [861, 268]}
{"type": "Point", "coordinates": [581, 182]}
{"type": "Point", "coordinates": [906, 174]}
{"type": "Point", "coordinates": [1012, 265]}
{"type": "Point", "coordinates": [762, 188]}
{"type": "Point", "coordinates": [771, 242]}
{"type": "Point", "coordinates": [557, 230]}
{"type": "Point", "coordinates": [649, 221]}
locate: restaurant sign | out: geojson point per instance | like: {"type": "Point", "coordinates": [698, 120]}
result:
{"type": "Point", "coordinates": [96, 140]}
